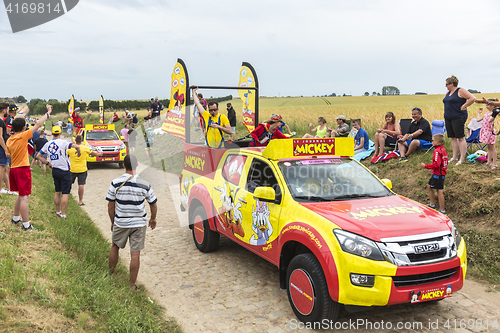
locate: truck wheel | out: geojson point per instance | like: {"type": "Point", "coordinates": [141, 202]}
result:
{"type": "Point", "coordinates": [205, 239]}
{"type": "Point", "coordinates": [307, 290]}
{"type": "Point", "coordinates": [120, 165]}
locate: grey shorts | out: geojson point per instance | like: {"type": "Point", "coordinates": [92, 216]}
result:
{"type": "Point", "coordinates": [82, 177]}
{"type": "Point", "coordinates": [136, 236]}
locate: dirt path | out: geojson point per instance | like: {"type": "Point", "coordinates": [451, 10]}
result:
{"type": "Point", "coordinates": [233, 290]}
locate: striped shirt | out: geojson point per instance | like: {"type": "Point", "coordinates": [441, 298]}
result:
{"type": "Point", "coordinates": [129, 209]}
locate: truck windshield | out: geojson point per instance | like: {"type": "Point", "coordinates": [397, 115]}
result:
{"type": "Point", "coordinates": [101, 135]}
{"type": "Point", "coordinates": [330, 179]}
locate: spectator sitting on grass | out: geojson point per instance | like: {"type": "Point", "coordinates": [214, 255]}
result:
{"type": "Point", "coordinates": [361, 140]}
{"type": "Point", "coordinates": [321, 130]}
{"type": "Point", "coordinates": [342, 129]}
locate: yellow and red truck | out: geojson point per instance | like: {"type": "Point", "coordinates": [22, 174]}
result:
{"type": "Point", "coordinates": [337, 233]}
{"type": "Point", "coordinates": [103, 138]}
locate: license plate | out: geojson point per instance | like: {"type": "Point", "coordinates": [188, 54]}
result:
{"type": "Point", "coordinates": [109, 159]}
{"type": "Point", "coordinates": [430, 294]}
{"type": "Point", "coordinates": [424, 248]}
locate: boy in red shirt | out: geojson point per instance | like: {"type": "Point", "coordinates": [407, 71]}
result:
{"type": "Point", "coordinates": [439, 166]}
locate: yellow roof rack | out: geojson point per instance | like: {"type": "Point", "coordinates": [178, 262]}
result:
{"type": "Point", "coordinates": [93, 127]}
{"type": "Point", "coordinates": [278, 149]}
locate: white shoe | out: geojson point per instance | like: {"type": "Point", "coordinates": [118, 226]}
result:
{"type": "Point", "coordinates": [4, 191]}
{"type": "Point", "coordinates": [453, 159]}
{"type": "Point", "coordinates": [459, 162]}
{"type": "Point", "coordinates": [12, 192]}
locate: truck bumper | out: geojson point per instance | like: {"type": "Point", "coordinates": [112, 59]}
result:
{"type": "Point", "coordinates": [432, 281]}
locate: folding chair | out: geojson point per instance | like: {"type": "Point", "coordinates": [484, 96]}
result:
{"type": "Point", "coordinates": [438, 127]}
{"type": "Point", "coordinates": [405, 128]}
{"type": "Point", "coordinates": [474, 143]}
{"type": "Point", "coordinates": [473, 130]}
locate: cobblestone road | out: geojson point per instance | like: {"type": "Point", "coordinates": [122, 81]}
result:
{"type": "Point", "coordinates": [233, 290]}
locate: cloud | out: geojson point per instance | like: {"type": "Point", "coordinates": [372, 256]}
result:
{"type": "Point", "coordinates": [127, 49]}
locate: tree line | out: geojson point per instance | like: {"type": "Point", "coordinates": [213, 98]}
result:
{"type": "Point", "coordinates": [37, 106]}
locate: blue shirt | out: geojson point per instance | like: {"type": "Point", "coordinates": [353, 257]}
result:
{"type": "Point", "coordinates": [281, 127]}
{"type": "Point", "coordinates": [357, 138]}
{"type": "Point", "coordinates": [452, 104]}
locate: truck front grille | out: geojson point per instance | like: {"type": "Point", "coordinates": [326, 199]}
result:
{"type": "Point", "coordinates": [413, 280]}
{"type": "Point", "coordinates": [419, 249]}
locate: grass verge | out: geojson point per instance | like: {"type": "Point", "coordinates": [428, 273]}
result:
{"type": "Point", "coordinates": [56, 278]}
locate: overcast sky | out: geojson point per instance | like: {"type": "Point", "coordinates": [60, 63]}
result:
{"type": "Point", "coordinates": [126, 49]}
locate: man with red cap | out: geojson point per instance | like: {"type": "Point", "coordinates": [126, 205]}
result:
{"type": "Point", "coordinates": [267, 131]}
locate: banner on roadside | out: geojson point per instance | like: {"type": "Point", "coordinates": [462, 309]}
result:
{"type": "Point", "coordinates": [101, 110]}
{"type": "Point", "coordinates": [176, 114]}
{"type": "Point", "coordinates": [248, 78]}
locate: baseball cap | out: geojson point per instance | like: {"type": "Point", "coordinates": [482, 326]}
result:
{"type": "Point", "coordinates": [77, 109]}
{"type": "Point", "coordinates": [341, 117]}
{"type": "Point", "coordinates": [56, 130]}
{"type": "Point", "coordinates": [276, 117]}
{"type": "Point", "coordinates": [13, 107]}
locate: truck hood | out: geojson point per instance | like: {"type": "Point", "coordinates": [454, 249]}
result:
{"type": "Point", "coordinates": [104, 143]}
{"type": "Point", "coordinates": [385, 217]}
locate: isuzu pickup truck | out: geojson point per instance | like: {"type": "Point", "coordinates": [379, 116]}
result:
{"type": "Point", "coordinates": [337, 233]}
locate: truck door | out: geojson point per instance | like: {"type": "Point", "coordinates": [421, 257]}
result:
{"type": "Point", "coordinates": [260, 219]}
{"type": "Point", "coordinates": [225, 196]}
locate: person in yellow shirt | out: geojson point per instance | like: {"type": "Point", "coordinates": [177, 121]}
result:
{"type": "Point", "coordinates": [215, 124]}
{"type": "Point", "coordinates": [79, 166]}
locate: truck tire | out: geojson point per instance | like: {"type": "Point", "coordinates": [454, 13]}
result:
{"type": "Point", "coordinates": [205, 239]}
{"type": "Point", "coordinates": [307, 290]}
{"type": "Point", "coordinates": [120, 165]}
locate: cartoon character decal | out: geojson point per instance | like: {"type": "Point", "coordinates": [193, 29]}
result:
{"type": "Point", "coordinates": [186, 182]}
{"type": "Point", "coordinates": [448, 291]}
{"type": "Point", "coordinates": [233, 168]}
{"type": "Point", "coordinates": [229, 212]}
{"type": "Point", "coordinates": [415, 296]}
{"type": "Point", "coordinates": [261, 224]}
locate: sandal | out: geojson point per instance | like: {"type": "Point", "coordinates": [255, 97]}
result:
{"type": "Point", "coordinates": [453, 159]}
{"type": "Point", "coordinates": [493, 167]}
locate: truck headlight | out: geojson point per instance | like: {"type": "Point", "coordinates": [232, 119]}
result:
{"type": "Point", "coordinates": [122, 147]}
{"type": "Point", "coordinates": [93, 148]}
{"type": "Point", "coordinates": [456, 235]}
{"type": "Point", "coordinates": [358, 245]}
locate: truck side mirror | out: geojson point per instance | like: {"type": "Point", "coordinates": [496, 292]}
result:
{"type": "Point", "coordinates": [122, 138]}
{"type": "Point", "coordinates": [387, 182]}
{"type": "Point", "coordinates": [265, 194]}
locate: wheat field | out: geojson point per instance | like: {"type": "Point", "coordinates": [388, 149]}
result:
{"type": "Point", "coordinates": [370, 109]}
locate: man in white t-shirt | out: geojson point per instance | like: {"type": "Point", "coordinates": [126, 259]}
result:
{"type": "Point", "coordinates": [57, 160]}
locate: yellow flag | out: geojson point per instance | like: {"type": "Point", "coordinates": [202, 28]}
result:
{"type": "Point", "coordinates": [71, 106]}
{"type": "Point", "coordinates": [248, 78]}
{"type": "Point", "coordinates": [101, 109]}
{"type": "Point", "coordinates": [174, 123]}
